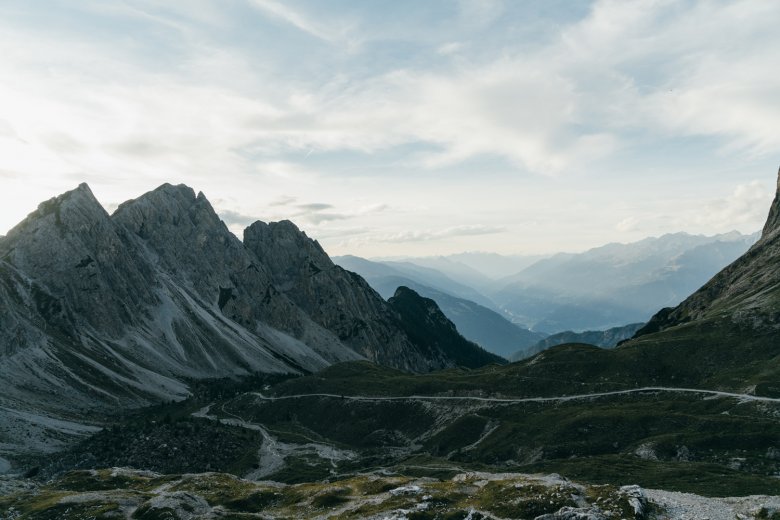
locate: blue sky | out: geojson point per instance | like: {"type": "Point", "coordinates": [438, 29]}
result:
{"type": "Point", "coordinates": [404, 127]}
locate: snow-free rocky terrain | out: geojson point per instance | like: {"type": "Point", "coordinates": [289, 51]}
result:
{"type": "Point", "coordinates": [101, 313]}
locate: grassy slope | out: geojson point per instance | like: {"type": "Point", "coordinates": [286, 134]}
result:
{"type": "Point", "coordinates": [707, 446]}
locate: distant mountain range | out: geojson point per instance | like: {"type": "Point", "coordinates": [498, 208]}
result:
{"type": "Point", "coordinates": [479, 323]}
{"type": "Point", "coordinates": [601, 338]}
{"type": "Point", "coordinates": [602, 288]}
{"type": "Point", "coordinates": [615, 284]}
{"type": "Point", "coordinates": [477, 269]}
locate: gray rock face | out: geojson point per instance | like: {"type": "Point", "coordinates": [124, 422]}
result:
{"type": "Point", "coordinates": [99, 313]}
{"type": "Point", "coordinates": [76, 257]}
{"type": "Point", "coordinates": [180, 505]}
{"type": "Point", "coordinates": [773, 220]}
{"type": "Point", "coordinates": [336, 299]}
{"type": "Point", "coordinates": [187, 240]}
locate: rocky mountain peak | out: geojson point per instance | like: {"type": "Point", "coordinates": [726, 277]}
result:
{"type": "Point", "coordinates": [73, 210]}
{"type": "Point", "coordinates": [285, 249]}
{"type": "Point", "coordinates": [187, 237]}
{"type": "Point", "coordinates": [168, 205]}
{"type": "Point", "coordinates": [773, 220]}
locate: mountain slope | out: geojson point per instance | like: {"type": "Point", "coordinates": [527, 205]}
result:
{"type": "Point", "coordinates": [104, 313]}
{"type": "Point", "coordinates": [426, 325]}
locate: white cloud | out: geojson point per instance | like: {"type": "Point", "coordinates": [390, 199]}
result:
{"type": "Point", "coordinates": [627, 224]}
{"type": "Point", "coordinates": [425, 235]}
{"type": "Point", "coordinates": [480, 13]}
{"type": "Point", "coordinates": [747, 204]}
{"type": "Point", "coordinates": [301, 21]}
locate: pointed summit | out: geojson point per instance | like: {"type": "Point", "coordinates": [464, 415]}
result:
{"type": "Point", "coordinates": [773, 220]}
{"type": "Point", "coordinates": [71, 210]}
{"type": "Point", "coordinates": [285, 248]}
{"type": "Point", "coordinates": [168, 206]}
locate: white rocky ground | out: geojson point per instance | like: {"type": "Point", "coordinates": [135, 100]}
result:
{"type": "Point", "coordinates": [686, 506]}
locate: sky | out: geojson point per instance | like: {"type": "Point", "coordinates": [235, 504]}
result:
{"type": "Point", "coordinates": [404, 127]}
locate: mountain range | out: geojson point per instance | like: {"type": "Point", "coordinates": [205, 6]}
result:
{"type": "Point", "coordinates": [604, 287]}
{"type": "Point", "coordinates": [615, 284]}
{"type": "Point", "coordinates": [600, 338]}
{"type": "Point", "coordinates": [592, 297]}
{"type": "Point", "coordinates": [101, 313]}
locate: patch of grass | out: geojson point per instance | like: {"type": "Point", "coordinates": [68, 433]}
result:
{"type": "Point", "coordinates": [256, 501]}
{"type": "Point", "coordinates": [332, 498]}
{"type": "Point", "coordinates": [107, 479]}
{"type": "Point", "coordinates": [216, 488]}
{"type": "Point", "coordinates": [298, 470]}
{"type": "Point", "coordinates": [374, 485]}
{"type": "Point", "coordinates": [462, 432]}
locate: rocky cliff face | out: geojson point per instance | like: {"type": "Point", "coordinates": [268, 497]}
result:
{"type": "Point", "coordinates": [336, 299]}
{"type": "Point", "coordinates": [99, 313]}
{"type": "Point", "coordinates": [746, 293]}
{"type": "Point", "coordinates": [773, 220]}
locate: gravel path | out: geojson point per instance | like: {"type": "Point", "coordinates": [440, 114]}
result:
{"type": "Point", "coordinates": [646, 389]}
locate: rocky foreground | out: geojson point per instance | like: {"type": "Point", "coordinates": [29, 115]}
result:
{"type": "Point", "coordinates": [125, 493]}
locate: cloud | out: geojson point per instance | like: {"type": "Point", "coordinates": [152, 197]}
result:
{"type": "Point", "coordinates": [449, 48]}
{"type": "Point", "coordinates": [420, 236]}
{"type": "Point", "coordinates": [315, 206]}
{"type": "Point", "coordinates": [627, 224]}
{"type": "Point", "coordinates": [234, 218]}
{"type": "Point", "coordinates": [211, 103]}
{"type": "Point", "coordinates": [317, 213]}
{"type": "Point", "coordinates": [480, 13]}
{"type": "Point", "coordinates": [702, 69]}
{"type": "Point", "coordinates": [284, 200]}
{"type": "Point", "coordinates": [299, 20]}
{"type": "Point", "coordinates": [651, 67]}
{"type": "Point", "coordinates": [747, 205]}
